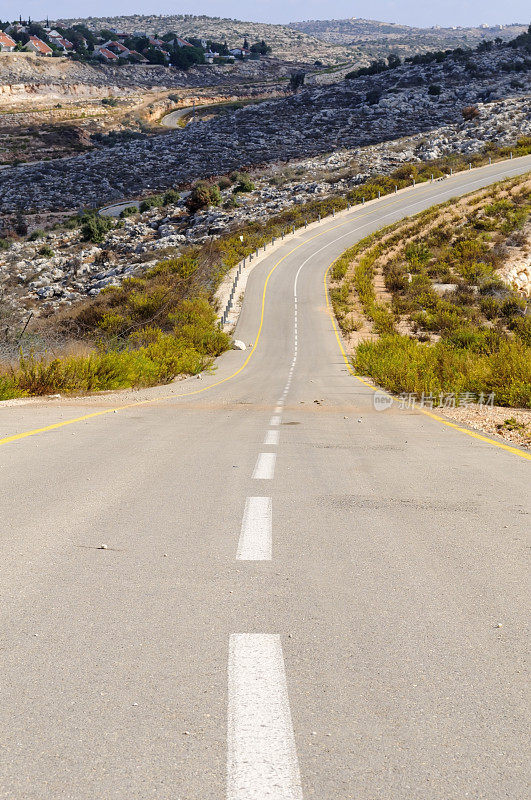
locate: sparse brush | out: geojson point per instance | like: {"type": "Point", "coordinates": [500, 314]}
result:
{"type": "Point", "coordinates": [401, 364]}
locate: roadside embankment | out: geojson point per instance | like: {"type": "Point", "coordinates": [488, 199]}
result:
{"type": "Point", "coordinates": [426, 313]}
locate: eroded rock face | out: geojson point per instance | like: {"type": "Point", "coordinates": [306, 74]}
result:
{"type": "Point", "coordinates": [28, 78]}
{"type": "Point", "coordinates": [318, 120]}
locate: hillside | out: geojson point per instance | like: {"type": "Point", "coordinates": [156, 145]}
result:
{"type": "Point", "coordinates": [286, 43]}
{"type": "Point", "coordinates": [445, 293]}
{"type": "Point", "coordinates": [329, 41]}
{"type": "Point", "coordinates": [373, 38]}
{"type": "Point", "coordinates": [410, 99]}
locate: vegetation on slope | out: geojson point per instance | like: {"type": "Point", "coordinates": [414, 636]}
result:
{"type": "Point", "coordinates": [474, 337]}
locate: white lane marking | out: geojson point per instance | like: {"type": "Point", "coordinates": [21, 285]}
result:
{"type": "Point", "coordinates": [275, 420]}
{"type": "Point", "coordinates": [256, 534]}
{"type": "Point", "coordinates": [505, 173]}
{"type": "Point", "coordinates": [265, 466]}
{"type": "Point", "coordinates": [262, 758]}
{"type": "Point", "coordinates": [271, 437]}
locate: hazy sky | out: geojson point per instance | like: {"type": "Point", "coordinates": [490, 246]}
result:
{"type": "Point", "coordinates": [409, 12]}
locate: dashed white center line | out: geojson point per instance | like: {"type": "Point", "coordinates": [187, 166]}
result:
{"type": "Point", "coordinates": [265, 466]}
{"type": "Point", "coordinates": [275, 420]}
{"type": "Point", "coordinates": [256, 534]}
{"type": "Point", "coordinates": [262, 759]}
{"type": "Point", "coordinates": [271, 437]}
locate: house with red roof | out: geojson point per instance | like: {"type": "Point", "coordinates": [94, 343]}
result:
{"type": "Point", "coordinates": [106, 55]}
{"type": "Point", "coordinates": [36, 45]}
{"type": "Point", "coordinates": [138, 57]}
{"type": "Point", "coordinates": [7, 44]}
{"type": "Point", "coordinates": [116, 47]}
{"type": "Point", "coordinates": [63, 44]}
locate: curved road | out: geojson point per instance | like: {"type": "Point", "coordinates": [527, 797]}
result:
{"type": "Point", "coordinates": [297, 599]}
{"type": "Point", "coordinates": [171, 120]}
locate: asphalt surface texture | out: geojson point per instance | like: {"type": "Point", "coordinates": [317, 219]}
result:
{"type": "Point", "coordinates": [254, 585]}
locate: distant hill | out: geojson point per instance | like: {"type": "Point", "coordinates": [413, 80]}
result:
{"type": "Point", "coordinates": [286, 43]}
{"type": "Point", "coordinates": [328, 41]}
{"type": "Point", "coordinates": [375, 39]}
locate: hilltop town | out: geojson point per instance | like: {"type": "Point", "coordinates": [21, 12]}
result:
{"type": "Point", "coordinates": [118, 47]}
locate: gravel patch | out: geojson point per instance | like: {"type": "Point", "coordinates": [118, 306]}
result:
{"type": "Point", "coordinates": [511, 424]}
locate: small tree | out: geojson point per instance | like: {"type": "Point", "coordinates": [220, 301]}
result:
{"type": "Point", "coordinates": [155, 201]}
{"type": "Point", "coordinates": [171, 197]}
{"type": "Point", "coordinates": [94, 228]}
{"type": "Point", "coordinates": [202, 196]}
{"type": "Point", "coordinates": [296, 81]}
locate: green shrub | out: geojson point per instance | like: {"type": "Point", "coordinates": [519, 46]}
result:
{"type": "Point", "coordinates": [155, 201]}
{"type": "Point", "coordinates": [128, 211]}
{"type": "Point", "coordinates": [9, 388]}
{"type": "Point", "coordinates": [511, 424]}
{"type": "Point", "coordinates": [243, 183]}
{"type": "Point", "coordinates": [474, 271]}
{"type": "Point", "coordinates": [45, 251]}
{"type": "Point", "coordinates": [513, 306]}
{"type": "Point", "coordinates": [36, 234]}
{"type": "Point", "coordinates": [202, 196]}
{"type": "Point", "coordinates": [171, 197]}
{"type": "Point", "coordinates": [94, 228]}
{"type": "Point", "coordinates": [489, 306]}
{"type": "Point", "coordinates": [417, 254]}
{"type": "Point", "coordinates": [146, 357]}
{"type": "Point", "coordinates": [522, 329]}
{"type": "Point", "coordinates": [396, 278]}
{"type": "Point", "coordinates": [380, 314]}
{"type": "Point", "coordinates": [231, 203]}
{"type": "Point", "coordinates": [401, 364]}
{"type": "Point", "coordinates": [215, 195]}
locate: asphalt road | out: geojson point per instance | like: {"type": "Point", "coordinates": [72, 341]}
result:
{"type": "Point", "coordinates": [296, 599]}
{"type": "Point", "coordinates": [171, 120]}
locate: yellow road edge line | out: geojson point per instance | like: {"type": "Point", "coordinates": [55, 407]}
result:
{"type": "Point", "coordinates": [514, 450]}
{"type": "Point", "coordinates": [35, 431]}
{"type": "Point", "coordinates": [56, 425]}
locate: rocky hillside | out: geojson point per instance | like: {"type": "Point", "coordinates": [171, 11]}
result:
{"type": "Point", "coordinates": [376, 39]}
{"type": "Point", "coordinates": [286, 43]}
{"type": "Point", "coordinates": [48, 271]}
{"type": "Point", "coordinates": [352, 113]}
